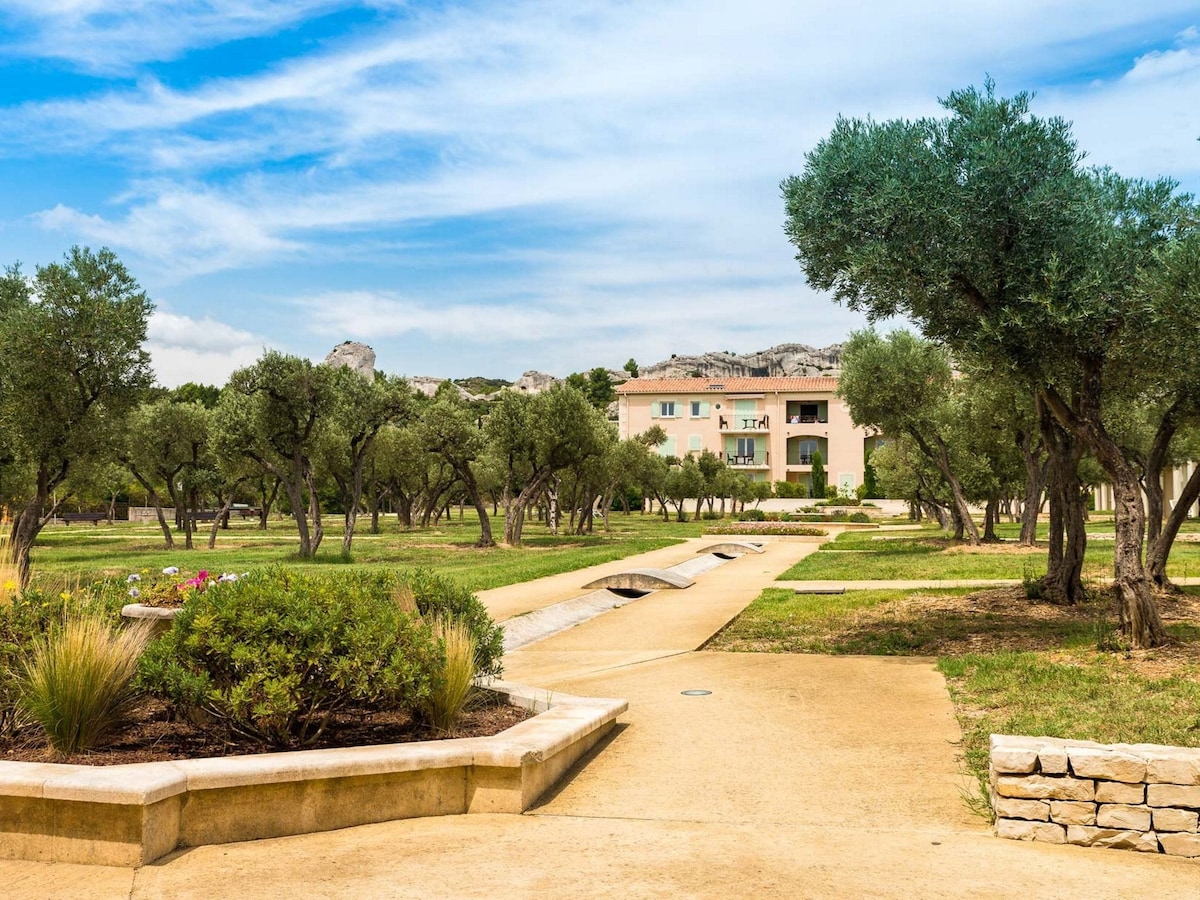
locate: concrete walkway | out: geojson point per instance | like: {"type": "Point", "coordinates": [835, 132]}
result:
{"type": "Point", "coordinates": [798, 776]}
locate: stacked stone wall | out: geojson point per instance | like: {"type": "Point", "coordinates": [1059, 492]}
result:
{"type": "Point", "coordinates": [1140, 797]}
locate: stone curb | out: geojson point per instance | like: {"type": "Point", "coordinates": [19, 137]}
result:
{"type": "Point", "coordinates": [132, 814]}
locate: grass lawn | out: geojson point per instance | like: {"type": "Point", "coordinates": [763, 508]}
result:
{"type": "Point", "coordinates": [1012, 666]}
{"type": "Point", "coordinates": [90, 552]}
{"type": "Point", "coordinates": [930, 555]}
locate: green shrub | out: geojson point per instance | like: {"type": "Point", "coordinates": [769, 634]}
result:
{"type": "Point", "coordinates": [711, 515]}
{"type": "Point", "coordinates": [831, 492]}
{"type": "Point", "coordinates": [774, 517]}
{"type": "Point", "coordinates": [858, 517]}
{"type": "Point", "coordinates": [1033, 583]}
{"type": "Point", "coordinates": [790, 490]}
{"type": "Point", "coordinates": [274, 654]}
{"type": "Point", "coordinates": [77, 681]}
{"type": "Point", "coordinates": [454, 679]}
{"type": "Point", "coordinates": [752, 515]}
{"type": "Point", "coordinates": [437, 595]}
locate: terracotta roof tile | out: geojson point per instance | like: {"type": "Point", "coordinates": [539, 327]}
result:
{"type": "Point", "coordinates": [806, 385]}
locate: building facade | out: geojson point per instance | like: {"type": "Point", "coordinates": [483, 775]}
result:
{"type": "Point", "coordinates": [769, 428]}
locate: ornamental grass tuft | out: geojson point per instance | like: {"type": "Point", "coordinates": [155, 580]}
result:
{"type": "Point", "coordinates": [10, 578]}
{"type": "Point", "coordinates": [453, 684]}
{"type": "Point", "coordinates": [78, 681]}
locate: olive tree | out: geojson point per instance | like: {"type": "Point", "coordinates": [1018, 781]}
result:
{"type": "Point", "coordinates": [275, 413]}
{"type": "Point", "coordinates": [983, 228]}
{"type": "Point", "coordinates": [533, 438]}
{"type": "Point", "coordinates": [72, 365]}
{"type": "Point", "coordinates": [902, 385]}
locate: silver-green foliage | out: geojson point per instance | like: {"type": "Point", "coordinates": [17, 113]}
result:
{"type": "Point", "coordinates": [275, 654]}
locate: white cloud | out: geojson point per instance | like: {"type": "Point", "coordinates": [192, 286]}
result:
{"type": "Point", "coordinates": [184, 231]}
{"type": "Point", "coordinates": [205, 350]}
{"type": "Point", "coordinates": [1165, 64]}
{"type": "Point", "coordinates": [654, 135]}
{"type": "Point", "coordinates": [116, 35]}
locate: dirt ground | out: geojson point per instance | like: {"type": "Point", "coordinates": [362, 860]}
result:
{"type": "Point", "coordinates": [154, 735]}
{"type": "Point", "coordinates": [1003, 619]}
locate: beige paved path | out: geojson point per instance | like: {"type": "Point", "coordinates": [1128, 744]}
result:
{"type": "Point", "coordinates": [799, 776]}
{"type": "Point", "coordinates": [514, 599]}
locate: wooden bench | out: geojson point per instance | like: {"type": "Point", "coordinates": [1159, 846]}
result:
{"type": "Point", "coordinates": [203, 515]}
{"type": "Point", "coordinates": [94, 517]}
{"type": "Point", "coordinates": [246, 512]}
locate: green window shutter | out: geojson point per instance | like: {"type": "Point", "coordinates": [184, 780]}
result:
{"type": "Point", "coordinates": [655, 410]}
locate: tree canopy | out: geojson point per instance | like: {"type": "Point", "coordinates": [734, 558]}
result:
{"type": "Point", "coordinates": [72, 363]}
{"type": "Point", "coordinates": [984, 229]}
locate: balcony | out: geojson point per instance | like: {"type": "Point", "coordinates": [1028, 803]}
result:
{"type": "Point", "coordinates": [807, 420]}
{"type": "Point", "coordinates": [759, 460]}
{"type": "Point", "coordinates": [801, 450]}
{"type": "Point", "coordinates": [738, 423]}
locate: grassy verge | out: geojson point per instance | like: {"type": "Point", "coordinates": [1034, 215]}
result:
{"type": "Point", "coordinates": [1082, 695]}
{"type": "Point", "coordinates": [1012, 667]}
{"type": "Point", "coordinates": [929, 555]}
{"type": "Point", "coordinates": [83, 552]}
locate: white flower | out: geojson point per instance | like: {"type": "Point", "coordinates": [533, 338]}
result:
{"type": "Point", "coordinates": [171, 570]}
{"type": "Point", "coordinates": [228, 576]}
{"type": "Point", "coordinates": [132, 578]}
{"type": "Point", "coordinates": [134, 593]}
{"type": "Point", "coordinates": [245, 575]}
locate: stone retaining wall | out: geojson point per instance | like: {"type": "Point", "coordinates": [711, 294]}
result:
{"type": "Point", "coordinates": [130, 815]}
{"type": "Point", "coordinates": [1122, 796]}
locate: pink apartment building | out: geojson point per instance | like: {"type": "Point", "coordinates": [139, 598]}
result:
{"type": "Point", "coordinates": [768, 428]}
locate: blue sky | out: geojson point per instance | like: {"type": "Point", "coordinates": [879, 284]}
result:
{"type": "Point", "coordinates": [479, 188]}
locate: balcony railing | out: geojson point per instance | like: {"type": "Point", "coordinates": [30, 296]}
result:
{"type": "Point", "coordinates": [739, 422]}
{"type": "Point", "coordinates": [807, 420]}
{"type": "Point", "coordinates": [761, 458]}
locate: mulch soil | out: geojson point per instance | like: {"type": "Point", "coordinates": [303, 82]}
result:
{"type": "Point", "coordinates": [1002, 619]}
{"type": "Point", "coordinates": [155, 735]}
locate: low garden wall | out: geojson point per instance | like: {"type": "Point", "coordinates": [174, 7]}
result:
{"type": "Point", "coordinates": [1141, 797]}
{"type": "Point", "coordinates": [149, 514]}
{"type": "Point", "coordinates": [132, 814]}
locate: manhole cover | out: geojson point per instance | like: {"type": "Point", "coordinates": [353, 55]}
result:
{"type": "Point", "coordinates": [695, 693]}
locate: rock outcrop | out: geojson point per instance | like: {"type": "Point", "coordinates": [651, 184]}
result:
{"type": "Point", "coordinates": [429, 386]}
{"type": "Point", "coordinates": [354, 356]}
{"type": "Point", "coordinates": [782, 360]}
{"type": "Point", "coordinates": [533, 382]}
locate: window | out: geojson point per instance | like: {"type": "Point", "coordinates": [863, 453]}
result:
{"type": "Point", "coordinates": [745, 447]}
{"type": "Point", "coordinates": [808, 447]}
{"type": "Point", "coordinates": [699, 409]}
{"type": "Point", "coordinates": [695, 445]}
{"type": "Point", "coordinates": [662, 409]}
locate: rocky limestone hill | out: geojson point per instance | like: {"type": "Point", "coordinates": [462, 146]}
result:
{"type": "Point", "coordinates": [781, 360]}
{"type": "Point", "coordinates": [354, 356]}
{"type": "Point", "coordinates": [784, 360]}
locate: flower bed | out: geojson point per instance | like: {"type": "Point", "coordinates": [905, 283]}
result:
{"type": "Point", "coordinates": [768, 528]}
{"type": "Point", "coordinates": [132, 814]}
